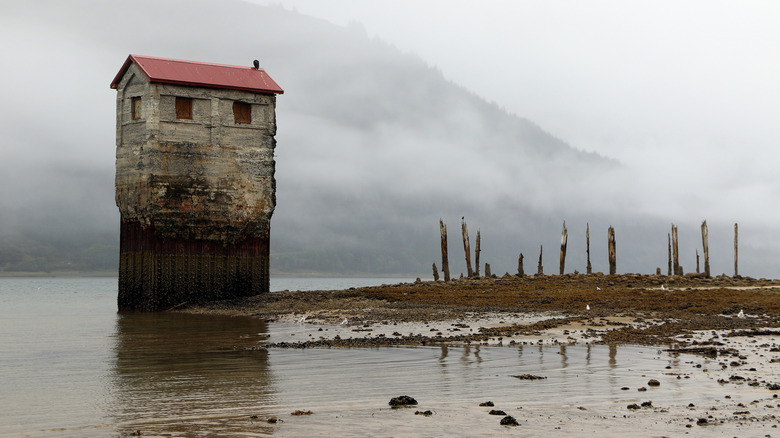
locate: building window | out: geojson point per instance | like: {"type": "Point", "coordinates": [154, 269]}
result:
{"type": "Point", "coordinates": [242, 113]}
{"type": "Point", "coordinates": [135, 107]}
{"type": "Point", "coordinates": [183, 108]}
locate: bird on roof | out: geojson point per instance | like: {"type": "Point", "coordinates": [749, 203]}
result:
{"type": "Point", "coordinates": [257, 64]}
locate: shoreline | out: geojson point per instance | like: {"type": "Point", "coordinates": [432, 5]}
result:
{"type": "Point", "coordinates": [726, 363]}
{"type": "Point", "coordinates": [616, 309]}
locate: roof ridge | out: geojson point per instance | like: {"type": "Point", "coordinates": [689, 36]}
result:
{"type": "Point", "coordinates": [215, 64]}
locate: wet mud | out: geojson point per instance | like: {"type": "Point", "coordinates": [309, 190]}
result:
{"type": "Point", "coordinates": [596, 308]}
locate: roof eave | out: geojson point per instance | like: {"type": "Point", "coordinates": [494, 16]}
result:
{"type": "Point", "coordinates": [223, 87]}
{"type": "Point", "coordinates": [130, 60]}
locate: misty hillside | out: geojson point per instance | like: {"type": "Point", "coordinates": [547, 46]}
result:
{"type": "Point", "coordinates": [374, 146]}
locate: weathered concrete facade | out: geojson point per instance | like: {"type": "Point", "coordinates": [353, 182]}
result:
{"type": "Point", "coordinates": [195, 189]}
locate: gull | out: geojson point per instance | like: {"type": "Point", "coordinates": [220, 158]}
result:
{"type": "Point", "coordinates": [302, 320]}
{"type": "Point", "coordinates": [662, 287]}
{"type": "Point", "coordinates": [344, 322]}
{"type": "Point", "coordinates": [587, 307]}
{"type": "Point", "coordinates": [741, 314]}
{"type": "Point", "coordinates": [598, 288]}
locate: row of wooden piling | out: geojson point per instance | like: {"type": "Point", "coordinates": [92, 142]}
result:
{"type": "Point", "coordinates": [673, 259]}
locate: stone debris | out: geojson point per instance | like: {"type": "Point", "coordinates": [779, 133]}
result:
{"type": "Point", "coordinates": [403, 400]}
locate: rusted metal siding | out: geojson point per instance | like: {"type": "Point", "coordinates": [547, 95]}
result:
{"type": "Point", "coordinates": [156, 272]}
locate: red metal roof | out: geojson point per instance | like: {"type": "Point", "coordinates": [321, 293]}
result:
{"type": "Point", "coordinates": [201, 74]}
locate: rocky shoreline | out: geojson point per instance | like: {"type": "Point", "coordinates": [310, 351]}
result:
{"type": "Point", "coordinates": [596, 308]}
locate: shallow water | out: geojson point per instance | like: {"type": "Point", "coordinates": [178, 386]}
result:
{"type": "Point", "coordinates": [70, 366]}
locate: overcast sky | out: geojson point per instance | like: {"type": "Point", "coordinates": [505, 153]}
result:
{"type": "Point", "coordinates": [688, 90]}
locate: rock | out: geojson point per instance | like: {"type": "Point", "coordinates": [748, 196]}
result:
{"type": "Point", "coordinates": [509, 421]}
{"type": "Point", "coordinates": [529, 377]}
{"type": "Point", "coordinates": [653, 382]}
{"type": "Point", "coordinates": [424, 413]}
{"type": "Point", "coordinates": [647, 404]}
{"type": "Point", "coordinates": [702, 421]}
{"type": "Point", "coordinates": [496, 412]}
{"type": "Point", "coordinates": [633, 406]}
{"type": "Point", "coordinates": [300, 412]}
{"type": "Point", "coordinates": [642, 389]}
{"type": "Point", "coordinates": [487, 403]}
{"type": "Point", "coordinates": [403, 400]}
{"type": "Point", "coordinates": [273, 420]}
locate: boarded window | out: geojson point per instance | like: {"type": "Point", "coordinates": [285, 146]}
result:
{"type": "Point", "coordinates": [183, 108]}
{"type": "Point", "coordinates": [135, 107]}
{"type": "Point", "coordinates": [242, 113]}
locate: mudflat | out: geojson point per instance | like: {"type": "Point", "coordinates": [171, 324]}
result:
{"type": "Point", "coordinates": [716, 338]}
{"type": "Point", "coordinates": [614, 309]}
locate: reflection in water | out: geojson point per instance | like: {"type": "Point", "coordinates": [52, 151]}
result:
{"type": "Point", "coordinates": [587, 356]}
{"type": "Point", "coordinates": [468, 349]}
{"type": "Point", "coordinates": [443, 358]}
{"type": "Point", "coordinates": [178, 374]}
{"type": "Point", "coordinates": [613, 356]}
{"type": "Point", "coordinates": [563, 356]}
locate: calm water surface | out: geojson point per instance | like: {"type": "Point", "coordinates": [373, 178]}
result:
{"type": "Point", "coordinates": [71, 366]}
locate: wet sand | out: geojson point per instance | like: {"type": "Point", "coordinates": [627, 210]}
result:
{"type": "Point", "coordinates": [692, 318]}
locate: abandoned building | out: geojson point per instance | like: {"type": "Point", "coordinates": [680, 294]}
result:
{"type": "Point", "coordinates": [194, 180]}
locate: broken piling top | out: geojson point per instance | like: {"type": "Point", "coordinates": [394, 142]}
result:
{"type": "Point", "coordinates": [195, 180]}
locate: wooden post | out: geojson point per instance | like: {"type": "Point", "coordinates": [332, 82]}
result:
{"type": "Point", "coordinates": [476, 256]}
{"type": "Point", "coordinates": [466, 247]}
{"type": "Point", "coordinates": [675, 252]}
{"type": "Point", "coordinates": [697, 261]}
{"type": "Point", "coordinates": [488, 274]}
{"type": "Point", "coordinates": [564, 241]}
{"type": "Point", "coordinates": [445, 263]}
{"type": "Point", "coordinates": [435, 273]}
{"type": "Point", "coordinates": [669, 254]}
{"type": "Point", "coordinates": [612, 253]}
{"type": "Point", "coordinates": [520, 271]}
{"type": "Point", "coordinates": [705, 243]}
{"type": "Point", "coordinates": [588, 267]}
{"type": "Point", "coordinates": [736, 258]}
{"type": "Point", "coordinates": [539, 267]}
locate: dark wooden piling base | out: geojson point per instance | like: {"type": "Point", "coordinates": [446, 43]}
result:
{"type": "Point", "coordinates": [159, 273]}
